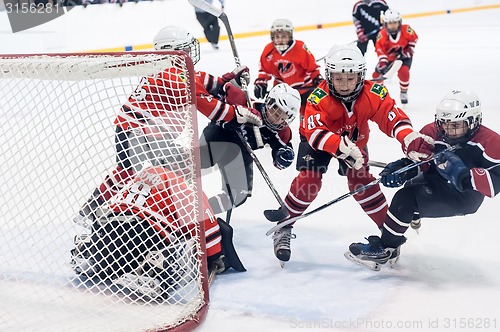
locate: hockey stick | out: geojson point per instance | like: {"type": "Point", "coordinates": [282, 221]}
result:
{"type": "Point", "coordinates": [209, 8]}
{"type": "Point", "coordinates": [289, 221]}
{"type": "Point", "coordinates": [371, 33]}
{"type": "Point", "coordinates": [223, 17]}
{"type": "Point", "coordinates": [375, 163]}
{"type": "Point", "coordinates": [393, 69]}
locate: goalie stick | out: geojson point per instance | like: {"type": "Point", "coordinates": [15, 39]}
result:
{"type": "Point", "coordinates": [223, 17]}
{"type": "Point", "coordinates": [272, 215]}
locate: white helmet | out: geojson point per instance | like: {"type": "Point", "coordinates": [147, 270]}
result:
{"type": "Point", "coordinates": [282, 25]}
{"type": "Point", "coordinates": [459, 106]}
{"type": "Point", "coordinates": [345, 59]}
{"type": "Point", "coordinates": [282, 105]}
{"type": "Point", "coordinates": [391, 16]}
{"type": "Point", "coordinates": [175, 38]}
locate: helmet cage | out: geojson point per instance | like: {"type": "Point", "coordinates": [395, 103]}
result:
{"type": "Point", "coordinates": [282, 26]}
{"type": "Point", "coordinates": [392, 16]}
{"type": "Point", "coordinates": [458, 106]}
{"type": "Point", "coordinates": [345, 59]}
{"type": "Point", "coordinates": [282, 103]}
{"type": "Point", "coordinates": [192, 48]}
{"type": "Point", "coordinates": [177, 39]}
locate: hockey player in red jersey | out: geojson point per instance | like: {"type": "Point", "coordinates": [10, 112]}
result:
{"type": "Point", "coordinates": [395, 41]}
{"type": "Point", "coordinates": [221, 145]}
{"type": "Point", "coordinates": [454, 184]}
{"type": "Point", "coordinates": [336, 125]}
{"type": "Point", "coordinates": [287, 60]}
{"type": "Point", "coordinates": [366, 17]}
{"type": "Point", "coordinates": [152, 222]}
{"type": "Point", "coordinates": [147, 124]}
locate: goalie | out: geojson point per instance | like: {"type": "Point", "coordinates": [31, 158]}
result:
{"type": "Point", "coordinates": [147, 241]}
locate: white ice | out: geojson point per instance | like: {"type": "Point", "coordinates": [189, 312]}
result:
{"type": "Point", "coordinates": [447, 277]}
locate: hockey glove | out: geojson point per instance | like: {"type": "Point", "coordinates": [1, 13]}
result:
{"type": "Point", "coordinates": [234, 95]}
{"type": "Point", "coordinates": [361, 36]}
{"type": "Point", "coordinates": [382, 66]}
{"type": "Point", "coordinates": [238, 73]}
{"type": "Point", "coordinates": [406, 53]}
{"type": "Point", "coordinates": [247, 115]}
{"type": "Point", "coordinates": [260, 88]}
{"type": "Point", "coordinates": [391, 179]}
{"type": "Point", "coordinates": [353, 156]}
{"type": "Point", "coordinates": [453, 169]}
{"type": "Point", "coordinates": [418, 147]}
{"type": "Point", "coordinates": [283, 157]}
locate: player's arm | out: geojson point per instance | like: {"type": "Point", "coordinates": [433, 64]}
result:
{"type": "Point", "coordinates": [394, 122]}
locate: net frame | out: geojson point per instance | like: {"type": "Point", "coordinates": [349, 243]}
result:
{"type": "Point", "coordinates": [24, 66]}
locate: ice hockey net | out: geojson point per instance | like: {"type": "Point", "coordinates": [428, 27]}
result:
{"type": "Point", "coordinates": [57, 144]}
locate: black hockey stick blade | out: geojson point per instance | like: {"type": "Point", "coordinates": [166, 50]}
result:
{"type": "Point", "coordinates": [276, 215]}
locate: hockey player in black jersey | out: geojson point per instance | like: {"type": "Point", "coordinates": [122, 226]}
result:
{"type": "Point", "coordinates": [221, 145]}
{"type": "Point", "coordinates": [453, 184]}
{"type": "Point", "coordinates": [366, 18]}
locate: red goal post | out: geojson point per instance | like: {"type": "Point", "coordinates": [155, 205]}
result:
{"type": "Point", "coordinates": [57, 131]}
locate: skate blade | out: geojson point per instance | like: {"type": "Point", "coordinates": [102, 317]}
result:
{"type": "Point", "coordinates": [282, 264]}
{"type": "Point", "coordinates": [374, 266]}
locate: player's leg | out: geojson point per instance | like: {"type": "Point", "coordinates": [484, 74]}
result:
{"type": "Point", "coordinates": [311, 164]}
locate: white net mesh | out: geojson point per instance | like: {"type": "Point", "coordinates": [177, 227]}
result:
{"type": "Point", "coordinates": [99, 193]}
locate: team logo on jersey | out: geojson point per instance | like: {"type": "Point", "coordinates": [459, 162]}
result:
{"type": "Point", "coordinates": [308, 157]}
{"type": "Point", "coordinates": [379, 90]}
{"type": "Point", "coordinates": [316, 96]}
{"type": "Point", "coordinates": [283, 67]}
{"type": "Point", "coordinates": [307, 50]}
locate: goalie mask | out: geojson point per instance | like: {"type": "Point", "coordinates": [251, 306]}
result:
{"type": "Point", "coordinates": [345, 69]}
{"type": "Point", "coordinates": [458, 117]}
{"type": "Point", "coordinates": [178, 39]}
{"type": "Point", "coordinates": [282, 34]}
{"type": "Point", "coordinates": [392, 21]}
{"type": "Point", "coordinates": [281, 107]}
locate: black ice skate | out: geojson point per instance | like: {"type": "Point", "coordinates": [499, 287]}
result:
{"type": "Point", "coordinates": [372, 254]}
{"type": "Point", "coordinates": [90, 211]}
{"type": "Point", "coordinates": [404, 97]}
{"type": "Point", "coordinates": [281, 240]}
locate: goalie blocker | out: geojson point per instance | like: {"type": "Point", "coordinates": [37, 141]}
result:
{"type": "Point", "coordinates": [146, 243]}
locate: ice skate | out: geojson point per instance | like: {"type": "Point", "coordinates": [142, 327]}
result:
{"type": "Point", "coordinates": [81, 257]}
{"type": "Point", "coordinates": [372, 254]}
{"type": "Point", "coordinates": [90, 211]}
{"type": "Point", "coordinates": [404, 97]}
{"type": "Point", "coordinates": [415, 225]}
{"type": "Point", "coordinates": [281, 240]}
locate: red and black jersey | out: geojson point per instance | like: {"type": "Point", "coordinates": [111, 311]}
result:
{"type": "Point", "coordinates": [165, 201]}
{"type": "Point", "coordinates": [159, 96]}
{"type": "Point", "coordinates": [389, 47]}
{"type": "Point", "coordinates": [326, 118]}
{"type": "Point", "coordinates": [296, 66]}
{"type": "Point", "coordinates": [480, 154]}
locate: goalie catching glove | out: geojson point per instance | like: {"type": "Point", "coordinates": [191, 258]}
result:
{"type": "Point", "coordinates": [353, 156]}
